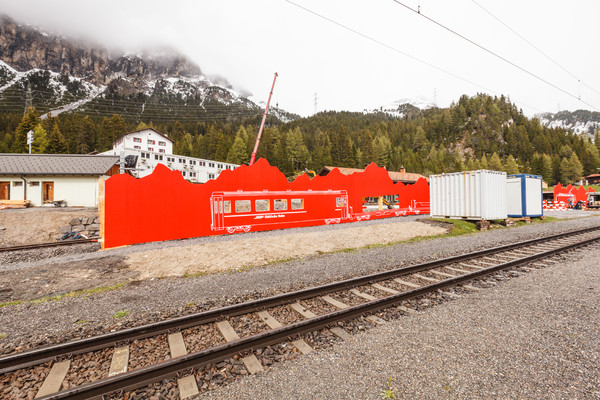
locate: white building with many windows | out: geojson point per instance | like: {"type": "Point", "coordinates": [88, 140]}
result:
{"type": "Point", "coordinates": [153, 148]}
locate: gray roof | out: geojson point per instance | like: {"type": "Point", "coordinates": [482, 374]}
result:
{"type": "Point", "coordinates": [55, 164]}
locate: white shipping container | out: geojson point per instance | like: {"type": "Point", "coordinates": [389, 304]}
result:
{"type": "Point", "coordinates": [475, 195]}
{"type": "Point", "coordinates": [524, 196]}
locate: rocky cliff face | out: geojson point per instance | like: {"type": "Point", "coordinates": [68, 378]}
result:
{"type": "Point", "coordinates": [26, 48]}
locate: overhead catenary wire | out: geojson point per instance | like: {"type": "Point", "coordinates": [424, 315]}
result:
{"type": "Point", "coordinates": [418, 12]}
{"type": "Point", "coordinates": [390, 47]}
{"type": "Point", "coordinates": [535, 47]}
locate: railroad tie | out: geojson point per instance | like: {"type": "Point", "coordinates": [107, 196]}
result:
{"type": "Point", "coordinates": [364, 295]}
{"type": "Point", "coordinates": [425, 278]}
{"type": "Point", "coordinates": [468, 266]}
{"type": "Point", "coordinates": [334, 302]}
{"type": "Point", "coordinates": [188, 386]}
{"type": "Point", "coordinates": [406, 283]}
{"type": "Point", "coordinates": [385, 288]}
{"type": "Point", "coordinates": [460, 271]}
{"type": "Point", "coordinates": [229, 334]}
{"type": "Point", "coordinates": [300, 309]}
{"type": "Point", "coordinates": [55, 378]}
{"type": "Point", "coordinates": [445, 275]}
{"type": "Point", "coordinates": [272, 323]}
{"type": "Point", "coordinates": [119, 362]}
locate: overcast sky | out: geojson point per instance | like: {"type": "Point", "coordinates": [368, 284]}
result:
{"type": "Point", "coordinates": [248, 41]}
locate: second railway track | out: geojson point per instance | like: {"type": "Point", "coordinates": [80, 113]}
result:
{"type": "Point", "coordinates": [271, 320]}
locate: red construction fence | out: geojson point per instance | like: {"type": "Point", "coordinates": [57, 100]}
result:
{"type": "Point", "coordinates": [164, 206]}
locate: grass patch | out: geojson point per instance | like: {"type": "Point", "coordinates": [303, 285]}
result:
{"type": "Point", "coordinates": [77, 293]}
{"type": "Point", "coordinates": [121, 314]}
{"type": "Point", "coordinates": [3, 335]}
{"type": "Point", "coordinates": [459, 226]}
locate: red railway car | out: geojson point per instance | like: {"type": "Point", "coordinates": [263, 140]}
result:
{"type": "Point", "coordinates": [262, 210]}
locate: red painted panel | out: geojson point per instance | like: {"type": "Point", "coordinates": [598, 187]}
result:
{"type": "Point", "coordinates": [164, 206]}
{"type": "Point", "coordinates": [565, 193]}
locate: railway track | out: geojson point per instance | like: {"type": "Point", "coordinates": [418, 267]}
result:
{"type": "Point", "coordinates": [48, 244]}
{"type": "Point", "coordinates": [240, 330]}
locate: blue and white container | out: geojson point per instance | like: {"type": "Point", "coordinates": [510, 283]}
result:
{"type": "Point", "coordinates": [470, 195]}
{"type": "Point", "coordinates": [524, 196]}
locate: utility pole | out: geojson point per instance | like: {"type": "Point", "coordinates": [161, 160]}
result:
{"type": "Point", "coordinates": [28, 99]}
{"type": "Point", "coordinates": [262, 124]}
{"type": "Point", "coordinates": [435, 97]}
{"type": "Point", "coordinates": [316, 109]}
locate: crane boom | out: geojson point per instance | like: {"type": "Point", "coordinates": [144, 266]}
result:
{"type": "Point", "coordinates": [262, 124]}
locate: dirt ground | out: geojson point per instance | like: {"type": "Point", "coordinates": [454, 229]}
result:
{"type": "Point", "coordinates": [36, 225]}
{"type": "Point", "coordinates": [243, 253]}
{"type": "Point", "coordinates": [54, 277]}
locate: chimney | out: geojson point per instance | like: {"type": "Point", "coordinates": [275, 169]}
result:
{"type": "Point", "coordinates": [402, 170]}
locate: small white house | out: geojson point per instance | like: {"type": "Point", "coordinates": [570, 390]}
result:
{"type": "Point", "coordinates": [71, 179]}
{"type": "Point", "coordinates": [152, 148]}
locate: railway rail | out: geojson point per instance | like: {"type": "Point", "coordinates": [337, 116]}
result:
{"type": "Point", "coordinates": [47, 244]}
{"type": "Point", "coordinates": [370, 294]}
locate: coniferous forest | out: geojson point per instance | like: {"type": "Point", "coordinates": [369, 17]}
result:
{"type": "Point", "coordinates": [480, 132]}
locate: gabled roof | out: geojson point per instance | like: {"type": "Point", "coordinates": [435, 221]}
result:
{"type": "Point", "coordinates": [55, 164]}
{"type": "Point", "coordinates": [404, 177]}
{"type": "Point", "coordinates": [141, 130]}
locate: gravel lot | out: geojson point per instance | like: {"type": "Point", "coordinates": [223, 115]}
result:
{"type": "Point", "coordinates": [430, 366]}
{"type": "Point", "coordinates": [533, 337]}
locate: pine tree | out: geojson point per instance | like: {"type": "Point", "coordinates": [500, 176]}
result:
{"type": "Point", "coordinates": [141, 126]}
{"type": "Point", "coordinates": [382, 147]}
{"type": "Point", "coordinates": [28, 123]}
{"type": "Point", "coordinates": [296, 150]}
{"type": "Point", "coordinates": [40, 140]}
{"type": "Point", "coordinates": [483, 163]}
{"type": "Point", "coordinates": [56, 142]}
{"type": "Point", "coordinates": [495, 164]}
{"type": "Point", "coordinates": [238, 153]}
{"type": "Point", "coordinates": [510, 165]}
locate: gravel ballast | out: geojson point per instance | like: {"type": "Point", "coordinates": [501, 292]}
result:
{"type": "Point", "coordinates": [155, 299]}
{"type": "Point", "coordinates": [534, 337]}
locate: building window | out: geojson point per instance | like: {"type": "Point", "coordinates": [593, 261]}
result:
{"type": "Point", "coordinates": [202, 163]}
{"type": "Point", "coordinates": [183, 173]}
{"type": "Point", "coordinates": [17, 183]}
{"type": "Point", "coordinates": [192, 162]}
{"type": "Point", "coordinates": [182, 161]}
{"type": "Point", "coordinates": [150, 141]}
{"type": "Point", "coordinates": [157, 157]}
{"type": "Point", "coordinates": [161, 150]}
{"type": "Point", "coordinates": [137, 140]}
{"type": "Point", "coordinates": [220, 166]}
{"type": "Point", "coordinates": [34, 183]}
{"type": "Point", "coordinates": [161, 143]}
{"type": "Point", "coordinates": [150, 149]}
{"type": "Point", "coordinates": [193, 174]}
{"type": "Point", "coordinates": [137, 147]}
{"type": "Point", "coordinates": [211, 165]}
{"type": "Point", "coordinates": [211, 176]}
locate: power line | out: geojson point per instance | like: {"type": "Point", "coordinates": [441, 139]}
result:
{"type": "Point", "coordinates": [402, 52]}
{"type": "Point", "coordinates": [534, 46]}
{"type": "Point", "coordinates": [418, 12]}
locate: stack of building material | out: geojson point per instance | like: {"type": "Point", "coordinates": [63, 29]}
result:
{"type": "Point", "coordinates": [14, 204]}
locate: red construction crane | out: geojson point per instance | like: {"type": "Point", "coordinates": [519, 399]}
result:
{"type": "Point", "coordinates": [262, 124]}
